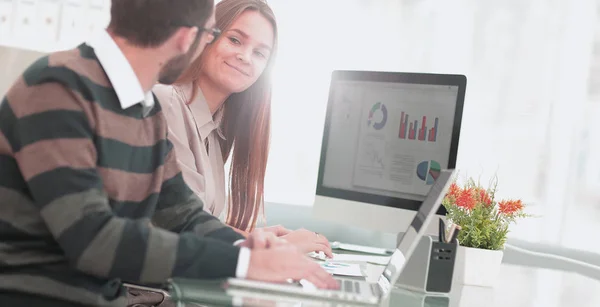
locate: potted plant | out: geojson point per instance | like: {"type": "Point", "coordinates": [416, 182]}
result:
{"type": "Point", "coordinates": [484, 224]}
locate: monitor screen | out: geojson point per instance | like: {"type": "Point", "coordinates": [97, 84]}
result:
{"type": "Point", "coordinates": [387, 140]}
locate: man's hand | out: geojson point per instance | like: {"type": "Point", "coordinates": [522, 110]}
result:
{"type": "Point", "coordinates": [278, 230]}
{"type": "Point", "coordinates": [308, 241]}
{"type": "Point", "coordinates": [281, 263]}
{"type": "Point", "coordinates": [260, 239]}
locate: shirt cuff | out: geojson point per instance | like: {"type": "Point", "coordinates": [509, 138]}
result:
{"type": "Point", "coordinates": [236, 243]}
{"type": "Point", "coordinates": [243, 263]}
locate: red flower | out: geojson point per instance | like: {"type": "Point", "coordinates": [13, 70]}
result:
{"type": "Point", "coordinates": [466, 200]}
{"type": "Point", "coordinates": [484, 197]}
{"type": "Point", "coordinates": [510, 207]}
{"type": "Point", "coordinates": [454, 190]}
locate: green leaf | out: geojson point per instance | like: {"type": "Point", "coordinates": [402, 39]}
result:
{"type": "Point", "coordinates": [483, 226]}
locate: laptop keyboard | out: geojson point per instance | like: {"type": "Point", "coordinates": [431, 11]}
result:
{"type": "Point", "coordinates": [356, 290]}
{"type": "Point", "coordinates": [349, 286]}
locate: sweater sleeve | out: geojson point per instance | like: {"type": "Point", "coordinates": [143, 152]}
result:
{"type": "Point", "coordinates": [54, 145]}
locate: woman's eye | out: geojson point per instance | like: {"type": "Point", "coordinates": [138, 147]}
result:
{"type": "Point", "coordinates": [234, 40]}
{"type": "Point", "coordinates": [260, 54]}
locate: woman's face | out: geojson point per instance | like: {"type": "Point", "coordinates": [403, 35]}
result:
{"type": "Point", "coordinates": [241, 53]}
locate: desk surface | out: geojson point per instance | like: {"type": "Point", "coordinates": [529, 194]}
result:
{"type": "Point", "coordinates": [517, 286]}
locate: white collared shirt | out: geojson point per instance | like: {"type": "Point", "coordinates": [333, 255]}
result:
{"type": "Point", "coordinates": [120, 73]}
{"type": "Point", "coordinates": [130, 92]}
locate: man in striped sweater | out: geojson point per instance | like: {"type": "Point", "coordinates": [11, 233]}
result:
{"type": "Point", "coordinates": [90, 192]}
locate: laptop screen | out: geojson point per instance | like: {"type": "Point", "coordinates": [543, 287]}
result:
{"type": "Point", "coordinates": [413, 234]}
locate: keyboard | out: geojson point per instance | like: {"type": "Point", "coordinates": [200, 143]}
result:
{"type": "Point", "coordinates": [349, 289]}
{"type": "Point", "coordinates": [349, 286]}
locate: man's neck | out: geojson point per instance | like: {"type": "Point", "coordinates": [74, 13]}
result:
{"type": "Point", "coordinates": [142, 61]}
{"type": "Point", "coordinates": [214, 96]}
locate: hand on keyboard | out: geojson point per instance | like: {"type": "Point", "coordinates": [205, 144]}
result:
{"type": "Point", "coordinates": [262, 239]}
{"type": "Point", "coordinates": [277, 230]}
{"type": "Point", "coordinates": [279, 264]}
{"type": "Point", "coordinates": [318, 256]}
{"type": "Point", "coordinates": [307, 285]}
{"type": "Point", "coordinates": [309, 241]}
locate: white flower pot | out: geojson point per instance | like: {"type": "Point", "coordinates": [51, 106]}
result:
{"type": "Point", "coordinates": [477, 267]}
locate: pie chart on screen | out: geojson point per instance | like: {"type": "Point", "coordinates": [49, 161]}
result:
{"type": "Point", "coordinates": [428, 171]}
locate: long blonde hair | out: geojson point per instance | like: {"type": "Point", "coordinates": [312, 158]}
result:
{"type": "Point", "coordinates": [246, 123]}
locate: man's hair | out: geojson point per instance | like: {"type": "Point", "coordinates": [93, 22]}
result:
{"type": "Point", "coordinates": [149, 23]}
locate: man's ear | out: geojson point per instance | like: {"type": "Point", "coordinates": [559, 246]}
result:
{"type": "Point", "coordinates": [186, 37]}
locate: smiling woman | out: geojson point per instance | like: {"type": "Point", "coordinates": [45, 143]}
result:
{"type": "Point", "coordinates": [220, 101]}
{"type": "Point", "coordinates": [221, 108]}
{"type": "Point", "coordinates": [239, 59]}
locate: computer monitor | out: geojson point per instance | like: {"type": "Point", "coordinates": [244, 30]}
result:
{"type": "Point", "coordinates": [387, 135]}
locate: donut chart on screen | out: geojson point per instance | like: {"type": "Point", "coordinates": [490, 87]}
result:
{"type": "Point", "coordinates": [377, 107]}
{"type": "Point", "coordinates": [428, 171]}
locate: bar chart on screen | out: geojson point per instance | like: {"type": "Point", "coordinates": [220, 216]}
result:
{"type": "Point", "coordinates": [417, 129]}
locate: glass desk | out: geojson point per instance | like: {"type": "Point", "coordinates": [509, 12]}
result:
{"type": "Point", "coordinates": [517, 286]}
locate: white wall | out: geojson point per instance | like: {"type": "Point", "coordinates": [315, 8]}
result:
{"type": "Point", "coordinates": [49, 25]}
{"type": "Point", "coordinates": [13, 61]}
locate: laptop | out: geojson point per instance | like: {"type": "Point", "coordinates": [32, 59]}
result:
{"type": "Point", "coordinates": [352, 290]}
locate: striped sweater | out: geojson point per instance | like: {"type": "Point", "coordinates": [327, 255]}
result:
{"type": "Point", "coordinates": [91, 194]}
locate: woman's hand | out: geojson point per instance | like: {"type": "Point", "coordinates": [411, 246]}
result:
{"type": "Point", "coordinates": [260, 239]}
{"type": "Point", "coordinates": [277, 230]}
{"type": "Point", "coordinates": [309, 241]}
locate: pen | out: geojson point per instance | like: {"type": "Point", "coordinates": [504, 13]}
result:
{"type": "Point", "coordinates": [455, 234]}
{"type": "Point", "coordinates": [451, 232]}
{"type": "Point", "coordinates": [442, 231]}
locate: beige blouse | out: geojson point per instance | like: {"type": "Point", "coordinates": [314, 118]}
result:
{"type": "Point", "coordinates": [195, 134]}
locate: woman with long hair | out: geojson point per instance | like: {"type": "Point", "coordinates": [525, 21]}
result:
{"type": "Point", "coordinates": [220, 109]}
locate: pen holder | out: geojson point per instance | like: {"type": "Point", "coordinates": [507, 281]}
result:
{"type": "Point", "coordinates": [430, 268]}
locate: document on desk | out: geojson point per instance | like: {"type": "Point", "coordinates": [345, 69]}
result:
{"type": "Point", "coordinates": [360, 248]}
{"type": "Point", "coordinates": [381, 260]}
{"type": "Point", "coordinates": [342, 269]}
